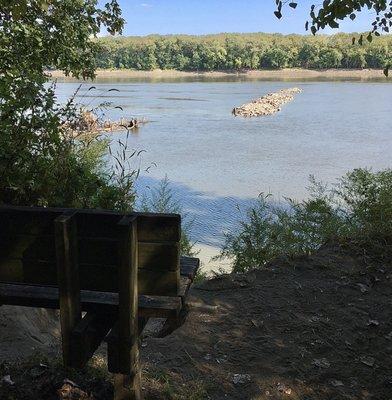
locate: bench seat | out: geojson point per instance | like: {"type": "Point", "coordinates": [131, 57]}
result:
{"type": "Point", "coordinates": [149, 306]}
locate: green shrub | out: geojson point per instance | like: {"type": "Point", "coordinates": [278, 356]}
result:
{"type": "Point", "coordinates": [42, 163]}
{"type": "Point", "coordinates": [161, 200]}
{"type": "Point", "coordinates": [358, 209]}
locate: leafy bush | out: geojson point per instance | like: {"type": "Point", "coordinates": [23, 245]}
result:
{"type": "Point", "coordinates": [358, 209]}
{"type": "Point", "coordinates": [161, 200]}
{"type": "Point", "coordinates": [42, 163]}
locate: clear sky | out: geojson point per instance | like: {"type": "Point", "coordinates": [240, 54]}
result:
{"type": "Point", "coordinates": [145, 17]}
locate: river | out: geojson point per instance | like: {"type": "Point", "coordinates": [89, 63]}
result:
{"type": "Point", "coordinates": [217, 163]}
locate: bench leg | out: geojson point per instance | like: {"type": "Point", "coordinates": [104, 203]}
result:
{"type": "Point", "coordinates": [127, 387]}
{"type": "Point", "coordinates": [125, 349]}
{"type": "Point", "coordinates": [173, 323]}
{"type": "Point", "coordinates": [69, 289]}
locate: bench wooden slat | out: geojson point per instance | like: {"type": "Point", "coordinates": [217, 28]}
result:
{"type": "Point", "coordinates": [189, 266]}
{"type": "Point", "coordinates": [152, 255]}
{"type": "Point", "coordinates": [104, 302]}
{"type": "Point", "coordinates": [92, 276]}
{"type": "Point", "coordinates": [12, 271]}
{"type": "Point", "coordinates": [152, 227]}
{"type": "Point", "coordinates": [151, 306]}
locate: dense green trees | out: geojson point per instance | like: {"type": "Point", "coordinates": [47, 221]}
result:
{"type": "Point", "coordinates": [243, 51]}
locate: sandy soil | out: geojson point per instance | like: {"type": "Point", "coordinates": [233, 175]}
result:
{"type": "Point", "coordinates": [315, 328]}
{"type": "Point", "coordinates": [24, 331]}
{"type": "Point", "coordinates": [289, 73]}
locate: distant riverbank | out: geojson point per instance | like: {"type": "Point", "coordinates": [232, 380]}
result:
{"type": "Point", "coordinates": [288, 73]}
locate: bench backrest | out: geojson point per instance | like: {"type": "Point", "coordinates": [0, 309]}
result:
{"type": "Point", "coordinates": [28, 251]}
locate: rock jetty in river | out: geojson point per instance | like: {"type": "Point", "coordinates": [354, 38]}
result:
{"type": "Point", "coordinates": [268, 104]}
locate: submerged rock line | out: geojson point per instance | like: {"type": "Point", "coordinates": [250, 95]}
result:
{"type": "Point", "coordinates": [266, 105]}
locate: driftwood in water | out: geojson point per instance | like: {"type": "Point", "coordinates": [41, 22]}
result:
{"type": "Point", "coordinates": [89, 124]}
{"type": "Point", "coordinates": [266, 105]}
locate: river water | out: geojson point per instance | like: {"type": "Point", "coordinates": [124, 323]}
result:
{"type": "Point", "coordinates": [217, 163]}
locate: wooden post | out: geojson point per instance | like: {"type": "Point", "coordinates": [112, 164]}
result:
{"type": "Point", "coordinates": [89, 334]}
{"type": "Point", "coordinates": [68, 282]}
{"type": "Point", "coordinates": [127, 381]}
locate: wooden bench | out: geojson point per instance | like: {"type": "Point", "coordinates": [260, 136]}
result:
{"type": "Point", "coordinates": [107, 272]}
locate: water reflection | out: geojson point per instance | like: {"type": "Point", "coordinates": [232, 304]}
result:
{"type": "Point", "coordinates": [211, 216]}
{"type": "Point", "coordinates": [218, 162]}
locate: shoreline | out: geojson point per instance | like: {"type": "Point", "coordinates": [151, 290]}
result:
{"type": "Point", "coordinates": [288, 73]}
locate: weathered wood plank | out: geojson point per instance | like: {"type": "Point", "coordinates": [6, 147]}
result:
{"type": "Point", "coordinates": [68, 282]}
{"type": "Point", "coordinates": [189, 266]}
{"type": "Point", "coordinates": [126, 349]}
{"type": "Point", "coordinates": [128, 297]}
{"type": "Point", "coordinates": [185, 284]}
{"type": "Point", "coordinates": [18, 220]}
{"type": "Point", "coordinates": [11, 270]}
{"type": "Point", "coordinates": [151, 282]}
{"type": "Point", "coordinates": [104, 302]}
{"type": "Point", "coordinates": [89, 334]}
{"type": "Point", "coordinates": [159, 283]}
{"type": "Point", "coordinates": [126, 387]}
{"type": "Point", "coordinates": [159, 228]}
{"type": "Point", "coordinates": [154, 256]}
{"type": "Point", "coordinates": [103, 278]}
{"type": "Point", "coordinates": [152, 227]}
{"type": "Point", "coordinates": [159, 256]}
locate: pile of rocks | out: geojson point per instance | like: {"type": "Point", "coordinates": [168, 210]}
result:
{"type": "Point", "coordinates": [266, 105]}
{"type": "Point", "coordinates": [88, 123]}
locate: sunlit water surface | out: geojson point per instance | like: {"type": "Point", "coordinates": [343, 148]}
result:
{"type": "Point", "coordinates": [218, 164]}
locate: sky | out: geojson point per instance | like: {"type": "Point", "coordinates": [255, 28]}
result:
{"type": "Point", "coordinates": [199, 17]}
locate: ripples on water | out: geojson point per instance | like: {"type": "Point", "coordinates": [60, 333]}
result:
{"type": "Point", "coordinates": [218, 163]}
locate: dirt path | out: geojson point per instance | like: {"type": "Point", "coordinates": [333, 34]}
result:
{"type": "Point", "coordinates": [314, 328]}
{"type": "Point", "coordinates": [25, 331]}
{"type": "Point", "coordinates": [318, 328]}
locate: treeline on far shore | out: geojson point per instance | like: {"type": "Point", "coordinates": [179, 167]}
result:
{"type": "Point", "coordinates": [243, 51]}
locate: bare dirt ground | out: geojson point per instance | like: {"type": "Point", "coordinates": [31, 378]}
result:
{"type": "Point", "coordinates": [315, 328]}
